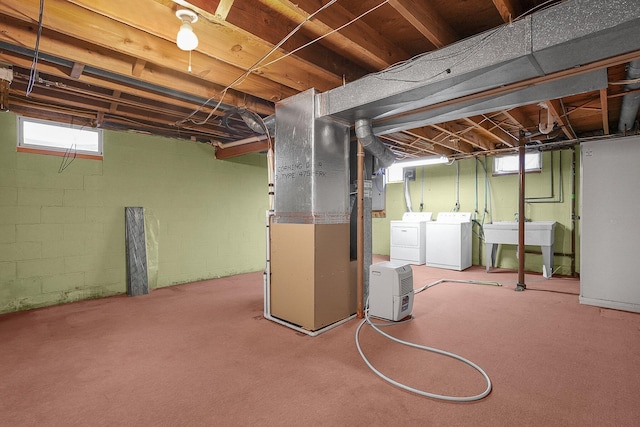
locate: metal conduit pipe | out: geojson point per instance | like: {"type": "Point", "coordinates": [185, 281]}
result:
{"type": "Point", "coordinates": [372, 143]}
{"type": "Point", "coordinates": [630, 102]}
{"type": "Point", "coordinates": [407, 195]}
{"type": "Point", "coordinates": [258, 125]}
{"type": "Point", "coordinates": [360, 236]}
{"type": "Point", "coordinates": [110, 75]}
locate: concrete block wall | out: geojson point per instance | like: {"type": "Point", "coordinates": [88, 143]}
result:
{"type": "Point", "coordinates": [62, 231]}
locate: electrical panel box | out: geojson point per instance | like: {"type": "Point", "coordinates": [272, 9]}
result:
{"type": "Point", "coordinates": [410, 173]}
{"type": "Point", "coordinates": [378, 193]}
{"type": "Point", "coordinates": [390, 290]}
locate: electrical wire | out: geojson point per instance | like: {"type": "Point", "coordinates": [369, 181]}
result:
{"type": "Point", "coordinates": [249, 70]}
{"type": "Point", "coordinates": [324, 35]}
{"type": "Point", "coordinates": [258, 64]}
{"type": "Point", "coordinates": [469, 51]}
{"type": "Point", "coordinates": [376, 327]}
{"type": "Point", "coordinates": [36, 52]}
{"type": "Point", "coordinates": [65, 158]}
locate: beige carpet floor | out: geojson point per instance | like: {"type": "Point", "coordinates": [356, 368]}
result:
{"type": "Point", "coordinates": [201, 354]}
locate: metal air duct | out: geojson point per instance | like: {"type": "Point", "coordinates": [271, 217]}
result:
{"type": "Point", "coordinates": [562, 38]}
{"type": "Point", "coordinates": [630, 102]}
{"type": "Point", "coordinates": [372, 144]}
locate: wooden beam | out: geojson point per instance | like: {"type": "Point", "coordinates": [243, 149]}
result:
{"type": "Point", "coordinates": [440, 136]}
{"type": "Point", "coordinates": [218, 40]}
{"type": "Point", "coordinates": [76, 70]}
{"type": "Point", "coordinates": [255, 18]}
{"type": "Point", "coordinates": [452, 139]}
{"type": "Point", "coordinates": [574, 71]}
{"type": "Point", "coordinates": [412, 143]}
{"type": "Point", "coordinates": [20, 33]}
{"type": "Point", "coordinates": [519, 118]}
{"type": "Point", "coordinates": [492, 130]}
{"type": "Point", "coordinates": [114, 104]}
{"type": "Point", "coordinates": [507, 10]}
{"type": "Point", "coordinates": [604, 103]}
{"type": "Point", "coordinates": [627, 92]}
{"type": "Point", "coordinates": [4, 95]}
{"type": "Point", "coordinates": [358, 41]}
{"type": "Point", "coordinates": [222, 11]}
{"type": "Point", "coordinates": [55, 71]}
{"type": "Point", "coordinates": [428, 135]}
{"type": "Point", "coordinates": [79, 22]}
{"type": "Point", "coordinates": [426, 20]}
{"type": "Point", "coordinates": [48, 100]}
{"type": "Point", "coordinates": [138, 67]}
{"type": "Point", "coordinates": [239, 150]}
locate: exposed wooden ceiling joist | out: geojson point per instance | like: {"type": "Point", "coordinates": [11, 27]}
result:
{"type": "Point", "coordinates": [234, 52]}
{"type": "Point", "coordinates": [253, 17]}
{"type": "Point", "coordinates": [493, 134]}
{"type": "Point", "coordinates": [76, 71]}
{"type": "Point", "coordinates": [253, 147]}
{"type": "Point", "coordinates": [112, 36]}
{"type": "Point", "coordinates": [222, 11]}
{"type": "Point", "coordinates": [604, 103]}
{"type": "Point", "coordinates": [112, 65]}
{"type": "Point", "coordinates": [424, 18]}
{"type": "Point", "coordinates": [358, 40]}
{"type": "Point", "coordinates": [507, 9]}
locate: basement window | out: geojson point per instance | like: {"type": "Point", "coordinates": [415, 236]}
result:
{"type": "Point", "coordinates": [58, 139]}
{"type": "Point", "coordinates": [510, 164]}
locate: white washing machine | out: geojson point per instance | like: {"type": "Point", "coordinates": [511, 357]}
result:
{"type": "Point", "coordinates": [448, 241]}
{"type": "Point", "coordinates": [408, 238]}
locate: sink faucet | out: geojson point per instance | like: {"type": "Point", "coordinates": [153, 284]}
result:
{"type": "Point", "coordinates": [517, 217]}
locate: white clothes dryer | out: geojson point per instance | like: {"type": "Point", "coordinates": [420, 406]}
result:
{"type": "Point", "coordinates": [448, 241]}
{"type": "Point", "coordinates": [408, 238]}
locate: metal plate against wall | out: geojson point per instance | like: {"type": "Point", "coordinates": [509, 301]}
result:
{"type": "Point", "coordinates": [137, 279]}
{"type": "Point", "coordinates": [311, 164]}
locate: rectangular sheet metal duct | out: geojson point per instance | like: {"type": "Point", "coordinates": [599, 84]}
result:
{"type": "Point", "coordinates": [568, 35]}
{"type": "Point", "coordinates": [588, 82]}
{"type": "Point", "coordinates": [311, 165]}
{"type": "Point", "coordinates": [311, 284]}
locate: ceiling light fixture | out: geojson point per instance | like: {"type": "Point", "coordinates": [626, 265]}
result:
{"type": "Point", "coordinates": [422, 161]}
{"type": "Point", "coordinates": [395, 173]}
{"type": "Point", "coordinates": [186, 39]}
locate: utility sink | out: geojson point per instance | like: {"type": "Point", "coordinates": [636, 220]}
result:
{"type": "Point", "coordinates": [536, 233]}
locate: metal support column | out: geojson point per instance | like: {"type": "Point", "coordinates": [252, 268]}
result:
{"type": "Point", "coordinates": [360, 231]}
{"type": "Point", "coordinates": [521, 286]}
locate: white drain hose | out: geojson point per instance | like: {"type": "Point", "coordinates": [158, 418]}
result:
{"type": "Point", "coordinates": [367, 319]}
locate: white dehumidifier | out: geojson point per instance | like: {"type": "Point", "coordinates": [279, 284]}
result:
{"type": "Point", "coordinates": [390, 290]}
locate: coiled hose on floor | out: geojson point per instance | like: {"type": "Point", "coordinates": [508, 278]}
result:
{"type": "Point", "coordinates": [367, 320]}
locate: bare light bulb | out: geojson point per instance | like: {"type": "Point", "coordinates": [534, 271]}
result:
{"type": "Point", "coordinates": [186, 39]}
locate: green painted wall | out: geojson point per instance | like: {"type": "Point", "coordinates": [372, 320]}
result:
{"type": "Point", "coordinates": [438, 192]}
{"type": "Point", "coordinates": [62, 233]}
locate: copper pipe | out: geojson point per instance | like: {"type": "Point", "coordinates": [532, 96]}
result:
{"type": "Point", "coordinates": [574, 217]}
{"type": "Point", "coordinates": [521, 215]}
{"type": "Point", "coordinates": [360, 235]}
